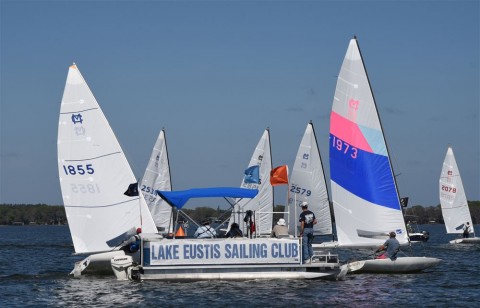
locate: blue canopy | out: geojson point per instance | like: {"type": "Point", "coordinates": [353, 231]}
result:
{"type": "Point", "coordinates": [180, 197]}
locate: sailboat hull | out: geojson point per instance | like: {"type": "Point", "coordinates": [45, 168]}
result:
{"type": "Point", "coordinates": [387, 266]}
{"type": "Point", "coordinates": [470, 240]}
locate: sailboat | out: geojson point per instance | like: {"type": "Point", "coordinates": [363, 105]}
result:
{"type": "Point", "coordinates": [453, 201]}
{"type": "Point", "coordinates": [94, 174]}
{"type": "Point", "coordinates": [262, 204]}
{"type": "Point", "coordinates": [308, 184]}
{"type": "Point", "coordinates": [365, 197]}
{"type": "Point", "coordinates": [157, 177]}
{"type": "Point", "coordinates": [103, 217]}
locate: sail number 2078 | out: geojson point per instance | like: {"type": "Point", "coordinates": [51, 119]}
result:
{"type": "Point", "coordinates": [344, 147]}
{"type": "Point", "coordinates": [449, 189]}
{"type": "Point", "coordinates": [78, 169]}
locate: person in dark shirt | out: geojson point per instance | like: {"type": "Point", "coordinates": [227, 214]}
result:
{"type": "Point", "coordinates": [307, 220]}
{"type": "Point", "coordinates": [392, 247]}
{"type": "Point", "coordinates": [234, 231]}
{"type": "Point", "coordinates": [466, 230]}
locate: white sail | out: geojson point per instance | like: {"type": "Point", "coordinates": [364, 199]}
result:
{"type": "Point", "coordinates": [262, 204]}
{"type": "Point", "coordinates": [157, 177]}
{"type": "Point", "coordinates": [94, 174]}
{"type": "Point", "coordinates": [364, 193]}
{"type": "Point", "coordinates": [307, 183]}
{"type": "Point", "coordinates": [453, 200]}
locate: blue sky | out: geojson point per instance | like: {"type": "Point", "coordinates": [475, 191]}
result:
{"type": "Point", "coordinates": [215, 74]}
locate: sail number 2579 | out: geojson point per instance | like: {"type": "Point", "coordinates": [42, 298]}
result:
{"type": "Point", "coordinates": [344, 147]}
{"type": "Point", "coordinates": [78, 169]}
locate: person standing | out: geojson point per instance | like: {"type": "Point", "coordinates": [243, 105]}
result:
{"type": "Point", "coordinates": [307, 220]}
{"type": "Point", "coordinates": [392, 247]}
{"type": "Point", "coordinates": [466, 230]}
{"type": "Point", "coordinates": [280, 229]}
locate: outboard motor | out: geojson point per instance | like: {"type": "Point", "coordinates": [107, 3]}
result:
{"type": "Point", "coordinates": [120, 266]}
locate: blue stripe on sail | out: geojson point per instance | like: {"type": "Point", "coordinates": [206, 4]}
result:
{"type": "Point", "coordinates": [367, 176]}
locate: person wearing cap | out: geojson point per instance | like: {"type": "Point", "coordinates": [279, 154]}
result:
{"type": "Point", "coordinates": [392, 247]}
{"type": "Point", "coordinates": [280, 229]}
{"type": "Point", "coordinates": [307, 220]}
{"type": "Point", "coordinates": [205, 231]}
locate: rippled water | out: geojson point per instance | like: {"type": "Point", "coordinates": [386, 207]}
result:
{"type": "Point", "coordinates": [35, 262]}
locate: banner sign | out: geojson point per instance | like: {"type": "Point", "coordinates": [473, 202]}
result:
{"type": "Point", "coordinates": [221, 251]}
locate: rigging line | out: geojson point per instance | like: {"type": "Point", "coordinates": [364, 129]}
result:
{"type": "Point", "coordinates": [92, 158]}
{"type": "Point", "coordinates": [100, 206]}
{"type": "Point", "coordinates": [78, 111]}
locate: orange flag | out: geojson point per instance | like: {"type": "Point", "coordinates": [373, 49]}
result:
{"type": "Point", "coordinates": [279, 175]}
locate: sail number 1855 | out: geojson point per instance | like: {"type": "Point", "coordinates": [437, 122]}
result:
{"type": "Point", "coordinates": [344, 147]}
{"type": "Point", "coordinates": [78, 169]}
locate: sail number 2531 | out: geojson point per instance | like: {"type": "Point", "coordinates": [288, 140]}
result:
{"type": "Point", "coordinates": [344, 147]}
{"type": "Point", "coordinates": [78, 169]}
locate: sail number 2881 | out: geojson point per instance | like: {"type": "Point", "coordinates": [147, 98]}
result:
{"type": "Point", "coordinates": [344, 147]}
{"type": "Point", "coordinates": [78, 169]}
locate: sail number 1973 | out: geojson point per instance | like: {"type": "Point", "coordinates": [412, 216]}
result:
{"type": "Point", "coordinates": [344, 147]}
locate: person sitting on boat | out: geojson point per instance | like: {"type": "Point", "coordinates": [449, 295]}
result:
{"type": "Point", "coordinates": [466, 230]}
{"type": "Point", "coordinates": [307, 220]}
{"type": "Point", "coordinates": [205, 231]}
{"type": "Point", "coordinates": [133, 243]}
{"type": "Point", "coordinates": [280, 229]}
{"type": "Point", "coordinates": [392, 247]}
{"type": "Point", "coordinates": [234, 231]}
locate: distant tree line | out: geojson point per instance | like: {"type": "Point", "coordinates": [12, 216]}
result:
{"type": "Point", "coordinates": [55, 214]}
{"type": "Point", "coordinates": [423, 215]}
{"type": "Point", "coordinates": [41, 214]}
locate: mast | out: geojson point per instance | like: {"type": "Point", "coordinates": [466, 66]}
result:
{"type": "Point", "coordinates": [380, 121]}
{"type": "Point", "coordinates": [323, 172]}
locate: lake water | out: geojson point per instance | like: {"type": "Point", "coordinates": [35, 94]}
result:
{"type": "Point", "coordinates": [35, 262]}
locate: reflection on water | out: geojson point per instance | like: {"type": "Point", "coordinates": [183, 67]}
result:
{"type": "Point", "coordinates": [35, 262]}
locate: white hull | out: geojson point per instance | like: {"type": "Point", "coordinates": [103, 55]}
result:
{"type": "Point", "coordinates": [246, 272]}
{"type": "Point", "coordinates": [331, 244]}
{"type": "Point", "coordinates": [401, 265]}
{"type": "Point", "coordinates": [418, 237]}
{"type": "Point", "coordinates": [470, 240]}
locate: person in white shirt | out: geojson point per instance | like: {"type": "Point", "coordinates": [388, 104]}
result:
{"type": "Point", "coordinates": [205, 231]}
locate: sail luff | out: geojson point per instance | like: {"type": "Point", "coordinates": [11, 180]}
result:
{"type": "Point", "coordinates": [379, 120]}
